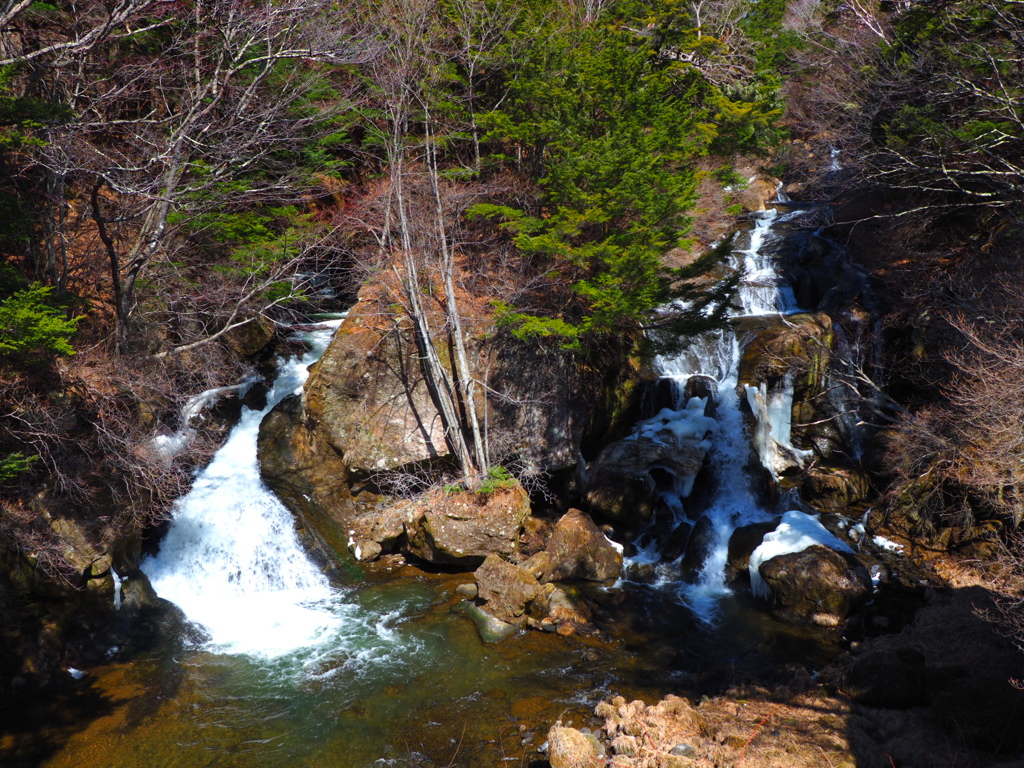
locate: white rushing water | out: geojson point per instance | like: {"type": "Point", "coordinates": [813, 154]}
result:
{"type": "Point", "coordinates": [231, 560]}
{"type": "Point", "coordinates": [717, 355]}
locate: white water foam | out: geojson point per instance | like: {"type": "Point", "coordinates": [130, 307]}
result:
{"type": "Point", "coordinates": [231, 560]}
{"type": "Point", "coordinates": [717, 354]}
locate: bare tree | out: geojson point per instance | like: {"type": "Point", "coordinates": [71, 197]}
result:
{"type": "Point", "coordinates": [200, 122]}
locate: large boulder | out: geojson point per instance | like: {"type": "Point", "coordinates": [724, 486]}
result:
{"type": "Point", "coordinates": [463, 528]}
{"type": "Point", "coordinates": [366, 419]}
{"type": "Point", "coordinates": [816, 585]}
{"type": "Point", "coordinates": [577, 550]}
{"type": "Point", "coordinates": [620, 484]}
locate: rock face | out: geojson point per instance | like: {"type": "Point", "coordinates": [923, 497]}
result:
{"type": "Point", "coordinates": [577, 550]}
{"type": "Point", "coordinates": [620, 484]}
{"type": "Point", "coordinates": [816, 586]}
{"type": "Point", "coordinates": [309, 476]}
{"type": "Point", "coordinates": [464, 528]}
{"type": "Point", "coordinates": [831, 488]}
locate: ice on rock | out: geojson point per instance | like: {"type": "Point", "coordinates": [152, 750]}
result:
{"type": "Point", "coordinates": [795, 533]}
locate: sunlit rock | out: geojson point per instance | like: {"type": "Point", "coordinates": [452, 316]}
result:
{"type": "Point", "coordinates": [463, 528]}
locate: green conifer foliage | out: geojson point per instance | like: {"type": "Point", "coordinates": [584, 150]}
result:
{"type": "Point", "coordinates": [31, 330]}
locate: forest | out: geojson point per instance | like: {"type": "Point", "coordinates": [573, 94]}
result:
{"type": "Point", "coordinates": [185, 182]}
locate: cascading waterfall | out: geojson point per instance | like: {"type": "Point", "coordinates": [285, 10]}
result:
{"type": "Point", "coordinates": [231, 560]}
{"type": "Point", "coordinates": [717, 355]}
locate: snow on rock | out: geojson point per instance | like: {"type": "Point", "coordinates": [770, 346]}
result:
{"type": "Point", "coordinates": [795, 533]}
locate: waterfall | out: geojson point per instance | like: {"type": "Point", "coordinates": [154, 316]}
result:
{"type": "Point", "coordinates": [717, 354]}
{"type": "Point", "coordinates": [231, 560]}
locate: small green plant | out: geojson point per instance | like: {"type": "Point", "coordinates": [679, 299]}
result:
{"type": "Point", "coordinates": [497, 478]}
{"type": "Point", "coordinates": [734, 210]}
{"type": "Point", "coordinates": [30, 329]}
{"type": "Point", "coordinates": [730, 178]}
{"type": "Point", "coordinates": [453, 488]}
{"type": "Point", "coordinates": [14, 464]}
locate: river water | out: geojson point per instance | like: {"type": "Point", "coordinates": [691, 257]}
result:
{"type": "Point", "coordinates": [295, 671]}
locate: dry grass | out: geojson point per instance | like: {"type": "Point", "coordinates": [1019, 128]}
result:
{"type": "Point", "coordinates": [808, 730]}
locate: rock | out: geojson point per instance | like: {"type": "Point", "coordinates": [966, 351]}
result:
{"type": "Point", "coordinates": [563, 606]}
{"type": "Point", "coordinates": [492, 629]}
{"type": "Point", "coordinates": [703, 387]}
{"type": "Point", "coordinates": [468, 591]}
{"type": "Point", "coordinates": [246, 340]}
{"type": "Point", "coordinates": [366, 550]}
{"type": "Point", "coordinates": [620, 483]}
{"type": "Point", "coordinates": [367, 396]}
{"type": "Point", "coordinates": [756, 195]}
{"type": "Point", "coordinates": [577, 550]}
{"type": "Point", "coordinates": [642, 573]}
{"type": "Point", "coordinates": [883, 678]}
{"type": "Point", "coordinates": [309, 476]}
{"type": "Point", "coordinates": [816, 586]}
{"type": "Point", "coordinates": [569, 748]}
{"type": "Point", "coordinates": [463, 528]}
{"type": "Point", "coordinates": [833, 488]}
{"type": "Point", "coordinates": [137, 594]}
{"type": "Point", "coordinates": [701, 542]}
{"type": "Point", "coordinates": [506, 589]}
{"type": "Point", "coordinates": [682, 750]}
{"type": "Point", "coordinates": [796, 351]}
{"type": "Point", "coordinates": [797, 345]}
{"type": "Point", "coordinates": [744, 541]}
{"type": "Point", "coordinates": [674, 545]}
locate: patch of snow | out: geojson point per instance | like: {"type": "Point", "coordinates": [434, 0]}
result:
{"type": "Point", "coordinates": [883, 543]}
{"type": "Point", "coordinates": [76, 673]}
{"type": "Point", "coordinates": [795, 533]}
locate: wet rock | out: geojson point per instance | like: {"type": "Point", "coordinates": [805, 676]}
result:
{"type": "Point", "coordinates": [832, 488]}
{"type": "Point", "coordinates": [569, 748]}
{"type": "Point", "coordinates": [698, 549]}
{"type": "Point", "coordinates": [705, 388]}
{"type": "Point", "coordinates": [675, 543]}
{"type": "Point", "coordinates": [464, 528]}
{"type": "Point", "coordinates": [562, 607]}
{"type": "Point", "coordinates": [744, 541]}
{"type": "Point", "coordinates": [137, 594]}
{"type": "Point", "coordinates": [577, 550]}
{"type": "Point", "coordinates": [642, 573]}
{"type": "Point", "coordinates": [506, 589]}
{"type": "Point", "coordinates": [309, 476]}
{"type": "Point", "coordinates": [884, 678]}
{"type": "Point", "coordinates": [620, 484]}
{"type": "Point", "coordinates": [468, 591]}
{"type": "Point", "coordinates": [816, 586]}
{"type": "Point", "coordinates": [492, 629]}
